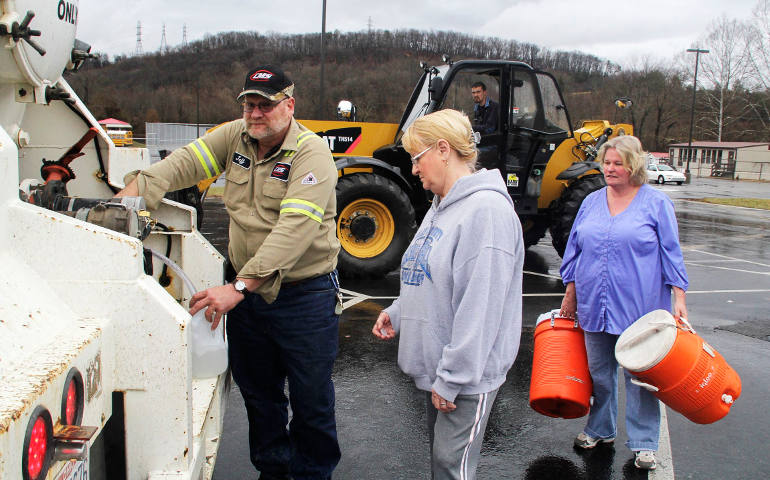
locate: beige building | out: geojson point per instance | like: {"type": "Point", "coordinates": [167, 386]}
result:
{"type": "Point", "coordinates": [737, 160]}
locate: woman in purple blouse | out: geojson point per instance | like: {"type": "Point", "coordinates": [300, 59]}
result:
{"type": "Point", "coordinates": [622, 261]}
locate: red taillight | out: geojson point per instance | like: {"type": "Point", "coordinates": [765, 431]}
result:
{"type": "Point", "coordinates": [37, 448]}
{"type": "Point", "coordinates": [71, 408]}
{"type": "Point", "coordinates": [72, 399]}
{"type": "Point", "coordinates": [37, 445]}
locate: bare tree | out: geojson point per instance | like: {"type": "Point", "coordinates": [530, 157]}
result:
{"type": "Point", "coordinates": [657, 114]}
{"type": "Point", "coordinates": [758, 50]}
{"type": "Point", "coordinates": [725, 69]}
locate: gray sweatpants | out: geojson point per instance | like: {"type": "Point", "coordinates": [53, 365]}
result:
{"type": "Point", "coordinates": [455, 437]}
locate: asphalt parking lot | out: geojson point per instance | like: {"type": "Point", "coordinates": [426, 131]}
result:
{"type": "Point", "coordinates": [381, 417]}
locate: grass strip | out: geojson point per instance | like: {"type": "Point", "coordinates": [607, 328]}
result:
{"type": "Point", "coordinates": [762, 203]}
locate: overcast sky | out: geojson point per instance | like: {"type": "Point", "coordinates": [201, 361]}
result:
{"type": "Point", "coordinates": [622, 32]}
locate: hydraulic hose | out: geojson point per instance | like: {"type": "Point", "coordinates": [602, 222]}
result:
{"type": "Point", "coordinates": [102, 171]}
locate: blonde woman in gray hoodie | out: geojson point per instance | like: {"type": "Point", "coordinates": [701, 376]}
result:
{"type": "Point", "coordinates": [458, 313]}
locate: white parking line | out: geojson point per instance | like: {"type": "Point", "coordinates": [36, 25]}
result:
{"type": "Point", "coordinates": [546, 275]}
{"type": "Point", "coordinates": [697, 264]}
{"type": "Point", "coordinates": [730, 258]}
{"type": "Point", "coordinates": [758, 290]}
{"type": "Point", "coordinates": [354, 298]}
{"type": "Point", "coordinates": [665, 459]}
{"type": "Point", "coordinates": [719, 260]}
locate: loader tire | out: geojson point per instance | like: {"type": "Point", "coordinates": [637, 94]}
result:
{"type": "Point", "coordinates": [566, 207]}
{"type": "Point", "coordinates": [534, 228]}
{"type": "Point", "coordinates": [375, 223]}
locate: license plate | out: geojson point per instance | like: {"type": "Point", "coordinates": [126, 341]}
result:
{"type": "Point", "coordinates": [74, 470]}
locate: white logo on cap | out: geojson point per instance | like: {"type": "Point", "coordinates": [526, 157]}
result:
{"type": "Point", "coordinates": [309, 179]}
{"type": "Point", "coordinates": [262, 76]}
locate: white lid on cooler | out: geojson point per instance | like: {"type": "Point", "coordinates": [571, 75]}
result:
{"type": "Point", "coordinates": [646, 342]}
{"type": "Point", "coordinates": [547, 316]}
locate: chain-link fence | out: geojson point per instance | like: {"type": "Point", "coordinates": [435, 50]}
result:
{"type": "Point", "coordinates": [170, 136]}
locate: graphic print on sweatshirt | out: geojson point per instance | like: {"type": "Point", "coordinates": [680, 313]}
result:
{"type": "Point", "coordinates": [414, 265]}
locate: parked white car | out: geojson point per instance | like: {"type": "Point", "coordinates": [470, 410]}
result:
{"type": "Point", "coordinates": [663, 173]}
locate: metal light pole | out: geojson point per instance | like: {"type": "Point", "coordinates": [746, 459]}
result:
{"type": "Point", "coordinates": [323, 59]}
{"type": "Point", "coordinates": [697, 51]}
{"type": "Point", "coordinates": [197, 106]}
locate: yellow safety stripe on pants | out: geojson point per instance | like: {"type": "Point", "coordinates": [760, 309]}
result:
{"type": "Point", "coordinates": [304, 207]}
{"type": "Point", "coordinates": [206, 158]}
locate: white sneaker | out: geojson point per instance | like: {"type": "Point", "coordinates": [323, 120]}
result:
{"type": "Point", "coordinates": [645, 460]}
{"type": "Point", "coordinates": [585, 441]}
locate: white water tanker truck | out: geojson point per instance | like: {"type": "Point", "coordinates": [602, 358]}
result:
{"type": "Point", "coordinates": [96, 373]}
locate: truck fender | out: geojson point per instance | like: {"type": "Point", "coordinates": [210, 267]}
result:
{"type": "Point", "coordinates": [577, 169]}
{"type": "Point", "coordinates": [378, 166]}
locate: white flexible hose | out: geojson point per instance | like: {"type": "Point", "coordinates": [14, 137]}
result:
{"type": "Point", "coordinates": [177, 269]}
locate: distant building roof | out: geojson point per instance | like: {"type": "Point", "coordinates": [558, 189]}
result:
{"type": "Point", "coordinates": [721, 144]}
{"type": "Point", "coordinates": [114, 122]}
{"type": "Point", "coordinates": [659, 155]}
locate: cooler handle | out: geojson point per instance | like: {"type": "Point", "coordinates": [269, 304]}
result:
{"type": "Point", "coordinates": [553, 320]}
{"type": "Point", "coordinates": [644, 334]}
{"type": "Point", "coordinates": [646, 386]}
{"type": "Point", "coordinates": [687, 325]}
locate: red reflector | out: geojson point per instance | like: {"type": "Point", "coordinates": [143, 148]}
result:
{"type": "Point", "coordinates": [71, 409]}
{"type": "Point", "coordinates": [72, 398]}
{"type": "Point", "coordinates": [38, 442]}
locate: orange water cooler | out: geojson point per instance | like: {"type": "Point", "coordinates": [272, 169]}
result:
{"type": "Point", "coordinates": [679, 367]}
{"type": "Point", "coordinates": [560, 385]}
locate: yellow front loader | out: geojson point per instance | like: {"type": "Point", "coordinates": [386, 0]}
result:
{"type": "Point", "coordinates": [548, 167]}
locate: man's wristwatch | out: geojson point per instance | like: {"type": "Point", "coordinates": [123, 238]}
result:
{"type": "Point", "coordinates": [240, 287]}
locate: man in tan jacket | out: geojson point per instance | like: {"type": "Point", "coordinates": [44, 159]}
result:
{"type": "Point", "coordinates": [282, 324]}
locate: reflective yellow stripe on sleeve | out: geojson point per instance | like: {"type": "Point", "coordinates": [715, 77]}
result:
{"type": "Point", "coordinates": [303, 136]}
{"type": "Point", "coordinates": [206, 158]}
{"type": "Point", "coordinates": [304, 207]}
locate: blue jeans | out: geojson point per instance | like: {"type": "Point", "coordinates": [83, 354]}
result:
{"type": "Point", "coordinates": [293, 338]}
{"type": "Point", "coordinates": [642, 408]}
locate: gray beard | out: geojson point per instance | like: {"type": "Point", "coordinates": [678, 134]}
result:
{"type": "Point", "coordinates": [267, 132]}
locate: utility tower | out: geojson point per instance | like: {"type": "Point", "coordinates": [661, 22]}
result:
{"type": "Point", "coordinates": [184, 34]}
{"type": "Point", "coordinates": [163, 43]}
{"type": "Point", "coordinates": [139, 50]}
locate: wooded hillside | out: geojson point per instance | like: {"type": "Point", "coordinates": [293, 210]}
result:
{"type": "Point", "coordinates": [377, 71]}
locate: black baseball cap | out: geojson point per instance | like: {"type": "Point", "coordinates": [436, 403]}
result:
{"type": "Point", "coordinates": [269, 82]}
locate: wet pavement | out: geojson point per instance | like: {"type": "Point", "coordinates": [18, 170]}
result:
{"type": "Point", "coordinates": [381, 415]}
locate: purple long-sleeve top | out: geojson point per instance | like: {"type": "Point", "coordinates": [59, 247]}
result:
{"type": "Point", "coordinates": [623, 266]}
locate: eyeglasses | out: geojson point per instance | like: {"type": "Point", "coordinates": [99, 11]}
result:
{"type": "Point", "coordinates": [249, 107]}
{"type": "Point", "coordinates": [416, 158]}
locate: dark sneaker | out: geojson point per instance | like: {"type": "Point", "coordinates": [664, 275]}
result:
{"type": "Point", "coordinates": [584, 441]}
{"type": "Point", "coordinates": [645, 460]}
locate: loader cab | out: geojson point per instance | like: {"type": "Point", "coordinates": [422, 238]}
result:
{"type": "Point", "coordinates": [532, 121]}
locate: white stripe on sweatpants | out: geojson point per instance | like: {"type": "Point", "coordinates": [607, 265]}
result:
{"type": "Point", "coordinates": [481, 407]}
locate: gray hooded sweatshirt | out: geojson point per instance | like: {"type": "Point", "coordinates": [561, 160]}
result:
{"type": "Point", "coordinates": [459, 309]}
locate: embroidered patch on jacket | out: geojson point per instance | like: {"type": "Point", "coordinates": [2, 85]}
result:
{"type": "Point", "coordinates": [309, 179]}
{"type": "Point", "coordinates": [241, 160]}
{"type": "Point", "coordinates": [281, 171]}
